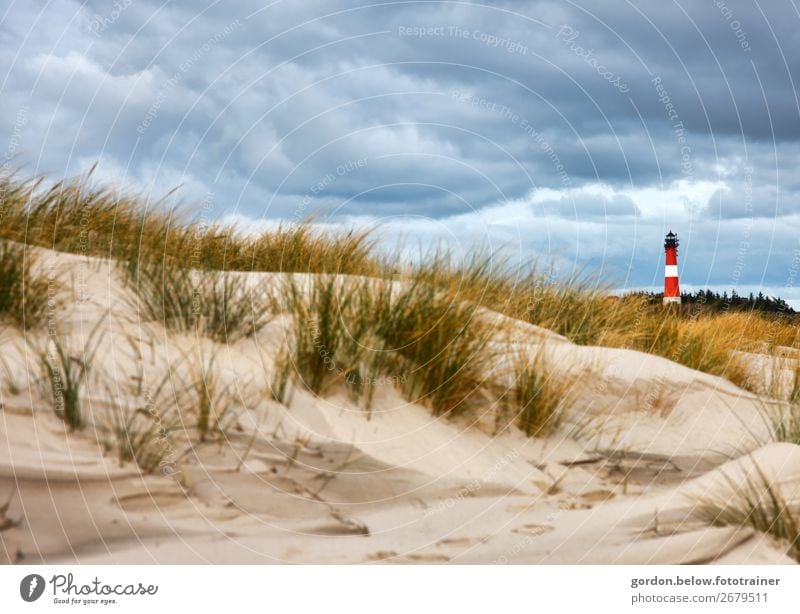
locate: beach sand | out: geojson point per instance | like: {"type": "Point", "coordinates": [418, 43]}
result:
{"type": "Point", "coordinates": [324, 481]}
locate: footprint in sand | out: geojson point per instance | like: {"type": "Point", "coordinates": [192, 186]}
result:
{"type": "Point", "coordinates": [381, 555]}
{"type": "Point", "coordinates": [385, 555]}
{"type": "Point", "coordinates": [597, 495]}
{"type": "Point", "coordinates": [571, 504]}
{"type": "Point", "coordinates": [534, 529]}
{"type": "Point", "coordinates": [428, 558]}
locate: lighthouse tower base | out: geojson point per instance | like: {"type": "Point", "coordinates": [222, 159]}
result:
{"type": "Point", "coordinates": [672, 299]}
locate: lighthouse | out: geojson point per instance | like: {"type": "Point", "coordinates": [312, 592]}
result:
{"type": "Point", "coordinates": [672, 291]}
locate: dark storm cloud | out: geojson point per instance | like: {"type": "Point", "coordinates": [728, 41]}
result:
{"type": "Point", "coordinates": [682, 113]}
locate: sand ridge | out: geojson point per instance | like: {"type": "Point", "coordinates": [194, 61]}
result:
{"type": "Point", "coordinates": [323, 481]}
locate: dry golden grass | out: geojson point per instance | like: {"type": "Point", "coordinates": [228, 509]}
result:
{"type": "Point", "coordinates": [330, 321]}
{"type": "Point", "coordinates": [212, 304]}
{"type": "Point", "coordinates": [757, 504]}
{"type": "Point", "coordinates": [299, 248]}
{"type": "Point", "coordinates": [577, 307]}
{"type": "Point", "coordinates": [782, 421]}
{"type": "Point", "coordinates": [539, 396]}
{"type": "Point", "coordinates": [442, 344]}
{"type": "Point", "coordinates": [365, 333]}
{"type": "Point", "coordinates": [75, 216]}
{"type": "Point", "coordinates": [703, 343]}
{"type": "Point", "coordinates": [79, 216]}
{"type": "Point", "coordinates": [25, 295]}
{"type": "Point", "coordinates": [154, 425]}
{"type": "Point", "coordinates": [142, 428]}
{"type": "Point", "coordinates": [483, 278]}
{"type": "Point", "coordinates": [792, 392]}
{"type": "Point", "coordinates": [586, 313]}
{"type": "Point", "coordinates": [66, 372]}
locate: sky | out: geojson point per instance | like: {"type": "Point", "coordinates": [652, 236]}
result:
{"type": "Point", "coordinates": [576, 133]}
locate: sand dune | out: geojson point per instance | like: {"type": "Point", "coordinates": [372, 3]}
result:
{"type": "Point", "coordinates": [323, 481]}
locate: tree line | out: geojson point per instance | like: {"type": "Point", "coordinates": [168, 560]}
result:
{"type": "Point", "coordinates": [714, 301]}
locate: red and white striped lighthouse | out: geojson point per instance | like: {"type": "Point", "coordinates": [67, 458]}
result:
{"type": "Point", "coordinates": [672, 290]}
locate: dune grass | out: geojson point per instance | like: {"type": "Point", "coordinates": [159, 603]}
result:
{"type": "Point", "coordinates": [282, 377]}
{"type": "Point", "coordinates": [576, 306]}
{"type": "Point", "coordinates": [78, 215]}
{"type": "Point", "coordinates": [300, 248]}
{"type": "Point", "coordinates": [24, 294]}
{"type": "Point", "coordinates": [785, 423]}
{"type": "Point", "coordinates": [780, 378]}
{"type": "Point", "coordinates": [329, 321]}
{"type": "Point", "coordinates": [363, 333]}
{"type": "Point", "coordinates": [483, 277]}
{"type": "Point", "coordinates": [704, 343]}
{"type": "Point", "coordinates": [781, 419]}
{"type": "Point", "coordinates": [157, 426]}
{"type": "Point", "coordinates": [438, 341]}
{"type": "Point", "coordinates": [75, 215]}
{"type": "Point", "coordinates": [142, 431]}
{"type": "Point", "coordinates": [538, 395]}
{"type": "Point", "coordinates": [793, 389]}
{"type": "Point", "coordinates": [758, 504]}
{"type": "Point", "coordinates": [66, 374]}
{"type": "Point", "coordinates": [154, 426]}
{"type": "Point", "coordinates": [11, 382]}
{"type": "Point", "coordinates": [176, 259]}
{"type": "Point", "coordinates": [585, 312]}
{"type": "Point", "coordinates": [212, 304]}
{"type": "Point", "coordinates": [203, 396]}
